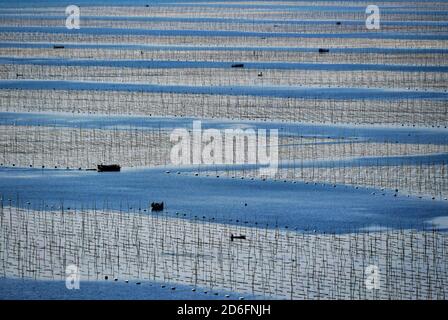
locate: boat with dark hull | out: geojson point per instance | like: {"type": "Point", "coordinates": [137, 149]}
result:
{"type": "Point", "coordinates": [157, 206]}
{"type": "Point", "coordinates": [108, 168]}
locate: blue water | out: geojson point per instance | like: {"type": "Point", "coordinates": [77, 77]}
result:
{"type": "Point", "coordinates": [273, 203]}
{"type": "Point", "coordinates": [27, 289]}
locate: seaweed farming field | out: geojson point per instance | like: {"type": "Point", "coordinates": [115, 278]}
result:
{"type": "Point", "coordinates": [224, 150]}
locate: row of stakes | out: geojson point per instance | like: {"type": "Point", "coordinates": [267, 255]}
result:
{"type": "Point", "coordinates": [383, 193]}
{"type": "Point", "coordinates": [163, 286]}
{"type": "Point", "coordinates": [280, 120]}
{"type": "Point", "coordinates": [240, 222]}
{"type": "Point", "coordinates": [198, 289]}
{"type": "Point", "coordinates": [177, 213]}
{"type": "Point", "coordinates": [264, 179]}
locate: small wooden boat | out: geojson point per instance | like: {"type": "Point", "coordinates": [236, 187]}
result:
{"type": "Point", "coordinates": [157, 206]}
{"type": "Point", "coordinates": [238, 65]}
{"type": "Point", "coordinates": [108, 168]}
{"type": "Point", "coordinates": [241, 237]}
